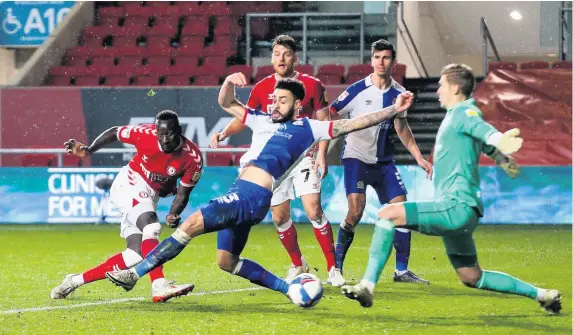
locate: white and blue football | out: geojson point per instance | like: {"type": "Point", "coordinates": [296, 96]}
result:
{"type": "Point", "coordinates": [305, 290]}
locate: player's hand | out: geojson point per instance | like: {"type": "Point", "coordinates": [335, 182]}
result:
{"type": "Point", "coordinates": [427, 166]}
{"type": "Point", "coordinates": [510, 167]}
{"type": "Point", "coordinates": [172, 220]}
{"type": "Point", "coordinates": [404, 101]}
{"type": "Point", "coordinates": [237, 79]}
{"type": "Point", "coordinates": [510, 142]}
{"type": "Point", "coordinates": [77, 148]}
{"type": "Point", "coordinates": [320, 165]}
{"type": "Point", "coordinates": [216, 138]}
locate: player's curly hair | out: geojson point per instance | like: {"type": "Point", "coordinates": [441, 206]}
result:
{"type": "Point", "coordinates": [286, 41]}
{"type": "Point", "coordinates": [294, 86]}
{"type": "Point", "coordinates": [167, 114]}
{"type": "Point", "coordinates": [382, 45]}
{"type": "Point", "coordinates": [461, 75]}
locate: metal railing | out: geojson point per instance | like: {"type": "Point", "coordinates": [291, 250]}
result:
{"type": "Point", "coordinates": [61, 152]}
{"type": "Point", "coordinates": [411, 39]}
{"type": "Point", "coordinates": [486, 37]}
{"type": "Point", "coordinates": [304, 17]}
{"type": "Point", "coordinates": [564, 26]}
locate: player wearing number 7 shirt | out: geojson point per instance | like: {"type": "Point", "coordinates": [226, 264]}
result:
{"type": "Point", "coordinates": [163, 156]}
{"type": "Point", "coordinates": [304, 179]}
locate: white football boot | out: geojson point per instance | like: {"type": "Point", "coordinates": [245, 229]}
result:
{"type": "Point", "coordinates": [296, 270]}
{"type": "Point", "coordinates": [335, 277]}
{"type": "Point", "coordinates": [65, 288]}
{"type": "Point", "coordinates": [163, 290]}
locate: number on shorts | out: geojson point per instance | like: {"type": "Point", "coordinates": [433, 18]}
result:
{"type": "Point", "coordinates": [307, 174]}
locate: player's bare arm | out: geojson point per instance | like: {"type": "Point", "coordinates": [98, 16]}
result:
{"type": "Point", "coordinates": [408, 140]}
{"type": "Point", "coordinates": [342, 127]}
{"type": "Point", "coordinates": [81, 150]}
{"type": "Point", "coordinates": [320, 162]}
{"type": "Point", "coordinates": [178, 205]}
{"type": "Point", "coordinates": [227, 99]}
{"type": "Point", "coordinates": [234, 127]}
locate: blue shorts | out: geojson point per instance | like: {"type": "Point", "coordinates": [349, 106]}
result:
{"type": "Point", "coordinates": [243, 206]}
{"type": "Point", "coordinates": [383, 177]}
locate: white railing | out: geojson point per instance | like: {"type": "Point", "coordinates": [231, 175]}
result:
{"type": "Point", "coordinates": [304, 17]}
{"type": "Point", "coordinates": [61, 152]}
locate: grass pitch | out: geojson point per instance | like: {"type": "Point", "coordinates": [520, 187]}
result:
{"type": "Point", "coordinates": [34, 259]}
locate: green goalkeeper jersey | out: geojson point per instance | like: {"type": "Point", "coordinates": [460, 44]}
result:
{"type": "Point", "coordinates": [461, 139]}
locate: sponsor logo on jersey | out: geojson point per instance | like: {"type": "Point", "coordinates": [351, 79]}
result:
{"type": "Point", "coordinates": [144, 158]}
{"type": "Point", "coordinates": [471, 112]}
{"type": "Point", "coordinates": [143, 195]}
{"type": "Point", "coordinates": [196, 176]}
{"type": "Point", "coordinates": [282, 126]}
{"type": "Point", "coordinates": [171, 170]}
{"type": "Point", "coordinates": [342, 96]}
{"type": "Point", "coordinates": [360, 184]}
{"type": "Point", "coordinates": [368, 102]}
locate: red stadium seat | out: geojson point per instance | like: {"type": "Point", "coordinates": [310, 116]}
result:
{"type": "Point", "coordinates": [502, 66]}
{"type": "Point", "coordinates": [217, 8]}
{"type": "Point", "coordinates": [177, 80]}
{"type": "Point", "coordinates": [182, 69]}
{"type": "Point", "coordinates": [159, 60]}
{"type": "Point", "coordinates": [190, 50]}
{"type": "Point", "coordinates": [158, 4]}
{"type": "Point", "coordinates": [39, 160]}
{"type": "Point", "coordinates": [219, 50]}
{"type": "Point", "coordinates": [146, 81]}
{"type": "Point", "coordinates": [220, 158]}
{"type": "Point", "coordinates": [195, 29]}
{"type": "Point", "coordinates": [362, 69]}
{"type": "Point", "coordinates": [211, 70]}
{"type": "Point", "coordinates": [189, 8]}
{"type": "Point", "coordinates": [187, 60]}
{"type": "Point", "coordinates": [151, 69]}
{"type": "Point", "coordinates": [226, 26]}
{"type": "Point", "coordinates": [117, 81]}
{"type": "Point", "coordinates": [330, 79]}
{"type": "Point", "coordinates": [94, 35]}
{"type": "Point", "coordinates": [87, 81]}
{"type": "Point", "coordinates": [161, 35]}
{"type": "Point", "coordinates": [129, 60]}
{"type": "Point", "coordinates": [127, 36]}
{"type": "Point", "coordinates": [399, 72]}
{"type": "Point", "coordinates": [136, 21]}
{"type": "Point", "coordinates": [215, 61]}
{"type": "Point", "coordinates": [75, 60]}
{"type": "Point", "coordinates": [103, 60]}
{"type": "Point", "coordinates": [354, 77]}
{"type": "Point", "coordinates": [263, 71]}
{"type": "Point", "coordinates": [533, 65]}
{"type": "Point", "coordinates": [57, 80]}
{"type": "Point", "coordinates": [305, 68]}
{"type": "Point", "coordinates": [247, 70]}
{"type": "Point", "coordinates": [206, 80]}
{"type": "Point", "coordinates": [191, 41]}
{"type": "Point", "coordinates": [71, 71]}
{"type": "Point", "coordinates": [565, 64]}
{"type": "Point", "coordinates": [109, 16]}
{"type": "Point", "coordinates": [70, 160]}
{"type": "Point", "coordinates": [331, 69]}
{"type": "Point", "coordinates": [138, 11]}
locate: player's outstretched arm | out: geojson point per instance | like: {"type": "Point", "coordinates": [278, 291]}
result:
{"type": "Point", "coordinates": [81, 150]}
{"type": "Point", "coordinates": [342, 127]}
{"type": "Point", "coordinates": [178, 205]}
{"type": "Point", "coordinates": [227, 99]}
{"type": "Point", "coordinates": [234, 127]}
{"type": "Point", "coordinates": [506, 162]}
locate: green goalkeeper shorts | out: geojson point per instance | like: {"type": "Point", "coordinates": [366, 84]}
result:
{"type": "Point", "coordinates": [450, 219]}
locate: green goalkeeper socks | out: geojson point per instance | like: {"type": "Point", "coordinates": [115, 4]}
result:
{"type": "Point", "coordinates": [380, 250]}
{"type": "Point", "coordinates": [504, 283]}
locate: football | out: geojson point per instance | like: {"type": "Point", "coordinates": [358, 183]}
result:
{"type": "Point", "coordinates": [305, 290]}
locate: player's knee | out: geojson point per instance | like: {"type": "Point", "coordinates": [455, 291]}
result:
{"type": "Point", "coordinates": [280, 218]}
{"type": "Point", "coordinates": [315, 214]}
{"type": "Point", "coordinates": [469, 278]}
{"type": "Point", "coordinates": [226, 261]}
{"type": "Point", "coordinates": [320, 221]}
{"type": "Point", "coordinates": [146, 218]}
{"type": "Point", "coordinates": [152, 231]}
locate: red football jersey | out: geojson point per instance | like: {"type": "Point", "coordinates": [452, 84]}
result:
{"type": "Point", "coordinates": [315, 99]}
{"type": "Point", "coordinates": [158, 169]}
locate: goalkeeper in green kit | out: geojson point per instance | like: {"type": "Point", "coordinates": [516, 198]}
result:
{"type": "Point", "coordinates": [454, 214]}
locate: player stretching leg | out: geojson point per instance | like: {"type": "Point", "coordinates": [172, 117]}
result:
{"type": "Point", "coordinates": [285, 140]}
{"type": "Point", "coordinates": [454, 215]}
{"type": "Point", "coordinates": [163, 155]}
{"type": "Point", "coordinates": [304, 177]}
{"type": "Point", "coordinates": [368, 156]}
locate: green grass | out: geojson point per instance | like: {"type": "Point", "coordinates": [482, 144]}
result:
{"type": "Point", "coordinates": [34, 259]}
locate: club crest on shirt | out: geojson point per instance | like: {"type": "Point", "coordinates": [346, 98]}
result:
{"type": "Point", "coordinates": [282, 126]}
{"type": "Point", "coordinates": [171, 170]}
{"type": "Point", "coordinates": [342, 96]}
{"type": "Point", "coordinates": [471, 112]}
{"type": "Point", "coordinates": [298, 123]}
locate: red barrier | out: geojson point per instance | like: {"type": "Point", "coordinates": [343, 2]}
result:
{"type": "Point", "coordinates": [536, 101]}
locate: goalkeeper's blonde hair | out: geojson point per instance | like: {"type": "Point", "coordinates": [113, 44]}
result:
{"type": "Point", "coordinates": [461, 75]}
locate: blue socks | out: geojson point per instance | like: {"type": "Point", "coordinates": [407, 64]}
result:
{"type": "Point", "coordinates": [256, 274]}
{"type": "Point", "coordinates": [165, 251]}
{"type": "Point", "coordinates": [402, 238]}
{"type": "Point", "coordinates": [343, 242]}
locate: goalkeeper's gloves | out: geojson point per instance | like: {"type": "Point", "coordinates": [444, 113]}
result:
{"type": "Point", "coordinates": [508, 142]}
{"type": "Point", "coordinates": [507, 163]}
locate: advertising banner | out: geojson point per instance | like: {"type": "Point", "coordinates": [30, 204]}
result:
{"type": "Point", "coordinates": [540, 195]}
{"type": "Point", "coordinates": [29, 23]}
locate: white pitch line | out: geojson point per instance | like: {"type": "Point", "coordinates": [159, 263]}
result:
{"type": "Point", "coordinates": [118, 301]}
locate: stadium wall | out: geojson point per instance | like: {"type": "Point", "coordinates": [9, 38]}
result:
{"type": "Point", "coordinates": [541, 195]}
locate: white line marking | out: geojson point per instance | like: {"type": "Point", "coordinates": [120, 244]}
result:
{"type": "Point", "coordinates": [118, 301]}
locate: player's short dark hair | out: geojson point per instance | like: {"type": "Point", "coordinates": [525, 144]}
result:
{"type": "Point", "coordinates": [286, 41]}
{"type": "Point", "coordinates": [461, 75]}
{"type": "Point", "coordinates": [294, 86]}
{"type": "Point", "coordinates": [166, 115]}
{"type": "Point", "coordinates": [382, 45]}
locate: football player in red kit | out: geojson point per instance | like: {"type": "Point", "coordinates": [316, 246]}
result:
{"type": "Point", "coordinates": [303, 180]}
{"type": "Point", "coordinates": [163, 156]}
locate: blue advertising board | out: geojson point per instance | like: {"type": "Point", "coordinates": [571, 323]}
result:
{"type": "Point", "coordinates": [540, 195]}
{"type": "Point", "coordinates": [29, 23]}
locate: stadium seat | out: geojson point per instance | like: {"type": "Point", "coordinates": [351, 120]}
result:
{"type": "Point", "coordinates": [187, 69]}
{"type": "Point", "coordinates": [161, 35]}
{"type": "Point", "coordinates": [158, 60]}
{"type": "Point", "coordinates": [354, 77]}
{"type": "Point", "coordinates": [169, 15]}
{"type": "Point", "coordinates": [146, 81]}
{"type": "Point", "coordinates": [399, 72]}
{"type": "Point", "coordinates": [305, 68]}
{"type": "Point", "coordinates": [502, 66]}
{"type": "Point", "coordinates": [330, 79]}
{"type": "Point", "coordinates": [195, 29]}
{"type": "Point", "coordinates": [219, 50]}
{"type": "Point", "coordinates": [189, 8]}
{"type": "Point", "coordinates": [58, 80]}
{"type": "Point", "coordinates": [127, 36]}
{"type": "Point", "coordinates": [201, 80]}
{"type": "Point", "coordinates": [136, 22]}
{"type": "Point", "coordinates": [151, 70]}
{"type": "Point", "coordinates": [70, 71]}
{"type": "Point", "coordinates": [220, 158]}
{"type": "Point", "coordinates": [264, 71]}
{"type": "Point", "coordinates": [192, 41]}
{"type": "Point", "coordinates": [565, 64]}
{"type": "Point", "coordinates": [331, 69]}
{"type": "Point", "coordinates": [138, 11]}
{"type": "Point", "coordinates": [247, 70]}
{"type": "Point", "coordinates": [158, 4]}
{"type": "Point", "coordinates": [109, 16]}
{"type": "Point", "coordinates": [177, 80]}
{"type": "Point", "coordinates": [93, 36]}
{"type": "Point", "coordinates": [533, 65]}
{"type": "Point", "coordinates": [215, 61]}
{"type": "Point", "coordinates": [187, 60]}
{"type": "Point", "coordinates": [74, 60]}
{"type": "Point", "coordinates": [216, 8]}
{"type": "Point", "coordinates": [190, 50]}
{"type": "Point", "coordinates": [362, 69]}
{"type": "Point", "coordinates": [226, 26]}
{"type": "Point", "coordinates": [72, 161]}
{"type": "Point", "coordinates": [92, 80]}
{"type": "Point", "coordinates": [117, 81]}
{"type": "Point", "coordinates": [211, 70]}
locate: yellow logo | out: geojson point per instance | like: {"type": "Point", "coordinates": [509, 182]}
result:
{"type": "Point", "coordinates": [471, 112]}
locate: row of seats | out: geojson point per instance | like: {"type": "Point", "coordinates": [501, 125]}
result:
{"type": "Point", "coordinates": [533, 65]}
{"type": "Point", "coordinates": [186, 71]}
{"type": "Point", "coordinates": [222, 158]}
